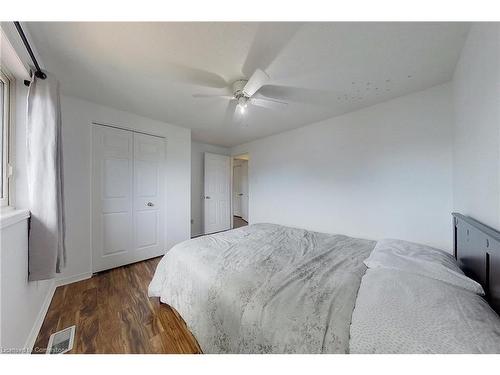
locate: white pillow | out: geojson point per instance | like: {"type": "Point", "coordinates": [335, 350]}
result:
{"type": "Point", "coordinates": [421, 260]}
{"type": "Point", "coordinates": [401, 312]}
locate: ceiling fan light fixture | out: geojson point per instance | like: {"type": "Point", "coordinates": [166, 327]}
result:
{"type": "Point", "coordinates": [243, 91]}
{"type": "Point", "coordinates": [242, 101]}
{"type": "Point", "coordinates": [242, 104]}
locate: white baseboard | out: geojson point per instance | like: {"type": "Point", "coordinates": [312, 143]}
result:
{"type": "Point", "coordinates": [73, 279]}
{"type": "Point", "coordinates": [30, 342]}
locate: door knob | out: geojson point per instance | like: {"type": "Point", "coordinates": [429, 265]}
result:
{"type": "Point", "coordinates": [150, 204]}
{"type": "Point", "coordinates": [207, 197]}
{"type": "Point", "coordinates": [240, 194]}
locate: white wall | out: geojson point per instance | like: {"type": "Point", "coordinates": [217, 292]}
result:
{"type": "Point", "coordinates": [23, 303]}
{"type": "Point", "coordinates": [78, 116]}
{"type": "Point", "coordinates": [197, 183]}
{"type": "Point", "coordinates": [476, 93]}
{"type": "Point", "coordinates": [383, 171]}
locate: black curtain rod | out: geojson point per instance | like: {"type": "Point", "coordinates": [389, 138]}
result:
{"type": "Point", "coordinates": [38, 72]}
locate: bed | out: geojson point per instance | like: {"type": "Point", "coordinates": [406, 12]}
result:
{"type": "Point", "coordinates": [266, 288]}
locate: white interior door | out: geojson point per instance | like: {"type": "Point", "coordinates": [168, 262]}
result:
{"type": "Point", "coordinates": [149, 158]}
{"type": "Point", "coordinates": [217, 208]}
{"type": "Point", "coordinates": [127, 175]}
{"type": "Point", "coordinates": [244, 190]}
{"type": "Point", "coordinates": [237, 190]}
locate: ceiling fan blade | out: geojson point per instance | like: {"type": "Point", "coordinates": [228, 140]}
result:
{"type": "Point", "coordinates": [258, 79]}
{"type": "Point", "coordinates": [268, 43]}
{"type": "Point", "coordinates": [277, 101]}
{"type": "Point", "coordinates": [300, 95]}
{"type": "Point", "coordinates": [193, 76]}
{"type": "Point", "coordinates": [268, 103]}
{"type": "Point", "coordinates": [213, 96]}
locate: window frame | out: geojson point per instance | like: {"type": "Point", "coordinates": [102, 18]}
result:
{"type": "Point", "coordinates": [7, 133]}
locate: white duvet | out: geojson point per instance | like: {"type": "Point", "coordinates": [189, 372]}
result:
{"type": "Point", "coordinates": [265, 288]}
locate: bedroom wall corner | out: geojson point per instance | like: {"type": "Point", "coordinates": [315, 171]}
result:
{"type": "Point", "coordinates": [380, 172]}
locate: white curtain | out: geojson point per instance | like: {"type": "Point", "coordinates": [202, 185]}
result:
{"type": "Point", "coordinates": [47, 254]}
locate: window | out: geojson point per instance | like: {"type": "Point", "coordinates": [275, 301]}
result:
{"type": "Point", "coordinates": [5, 95]}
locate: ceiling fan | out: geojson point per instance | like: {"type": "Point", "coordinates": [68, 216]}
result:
{"type": "Point", "coordinates": [244, 93]}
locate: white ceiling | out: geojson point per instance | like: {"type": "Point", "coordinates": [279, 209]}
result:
{"type": "Point", "coordinates": [321, 69]}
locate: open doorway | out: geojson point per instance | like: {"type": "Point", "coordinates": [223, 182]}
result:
{"type": "Point", "coordinates": [240, 190]}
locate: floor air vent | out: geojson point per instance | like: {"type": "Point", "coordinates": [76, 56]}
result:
{"type": "Point", "coordinates": [61, 341]}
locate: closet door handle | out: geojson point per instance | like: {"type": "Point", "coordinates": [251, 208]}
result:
{"type": "Point", "coordinates": [150, 204]}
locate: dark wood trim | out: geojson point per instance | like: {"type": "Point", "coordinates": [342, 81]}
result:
{"type": "Point", "coordinates": [480, 226]}
{"type": "Point", "coordinates": [477, 249]}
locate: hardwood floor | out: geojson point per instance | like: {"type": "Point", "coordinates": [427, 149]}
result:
{"type": "Point", "coordinates": [238, 222]}
{"type": "Point", "coordinates": [113, 314]}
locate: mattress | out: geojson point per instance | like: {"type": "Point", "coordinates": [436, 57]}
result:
{"type": "Point", "coordinates": [265, 288]}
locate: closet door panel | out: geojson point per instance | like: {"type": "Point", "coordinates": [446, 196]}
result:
{"type": "Point", "coordinates": [112, 194]}
{"type": "Point", "coordinates": [148, 235]}
{"type": "Point", "coordinates": [128, 197]}
{"type": "Point", "coordinates": [114, 241]}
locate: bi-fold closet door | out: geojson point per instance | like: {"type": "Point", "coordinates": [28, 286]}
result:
{"type": "Point", "coordinates": [127, 197]}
